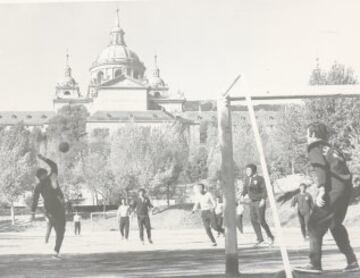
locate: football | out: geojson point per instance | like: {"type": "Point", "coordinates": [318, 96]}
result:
{"type": "Point", "coordinates": [64, 147]}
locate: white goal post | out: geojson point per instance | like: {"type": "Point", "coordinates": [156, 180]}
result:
{"type": "Point", "coordinates": [227, 162]}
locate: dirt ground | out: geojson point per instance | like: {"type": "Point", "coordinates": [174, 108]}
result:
{"type": "Point", "coordinates": [175, 253]}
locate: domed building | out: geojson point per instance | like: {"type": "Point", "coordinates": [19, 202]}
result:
{"type": "Point", "coordinates": [118, 82]}
{"type": "Point", "coordinates": [116, 60]}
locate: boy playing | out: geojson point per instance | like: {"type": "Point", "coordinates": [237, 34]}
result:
{"type": "Point", "coordinates": [304, 203]}
{"type": "Point", "coordinates": [255, 189]}
{"type": "Point", "coordinates": [334, 194]}
{"type": "Point", "coordinates": [77, 223]}
{"type": "Point", "coordinates": [123, 216]}
{"type": "Point", "coordinates": [54, 204]}
{"type": "Point", "coordinates": [206, 203]}
{"type": "Point", "coordinates": [142, 206]}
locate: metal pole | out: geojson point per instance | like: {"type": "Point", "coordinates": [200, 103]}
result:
{"type": "Point", "coordinates": [275, 213]}
{"type": "Point", "coordinates": [227, 183]}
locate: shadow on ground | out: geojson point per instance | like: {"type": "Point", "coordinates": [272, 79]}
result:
{"type": "Point", "coordinates": [175, 263]}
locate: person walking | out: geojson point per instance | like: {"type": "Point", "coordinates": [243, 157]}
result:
{"type": "Point", "coordinates": [334, 182]}
{"type": "Point", "coordinates": [54, 203]}
{"type": "Point", "coordinates": [142, 205]}
{"type": "Point", "coordinates": [304, 203]}
{"type": "Point", "coordinates": [255, 190]}
{"type": "Point", "coordinates": [77, 223]}
{"type": "Point", "coordinates": [205, 201]}
{"type": "Point", "coordinates": [123, 216]}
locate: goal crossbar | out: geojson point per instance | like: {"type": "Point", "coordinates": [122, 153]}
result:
{"type": "Point", "coordinates": [301, 93]}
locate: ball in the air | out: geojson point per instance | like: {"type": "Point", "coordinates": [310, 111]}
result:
{"type": "Point", "coordinates": [64, 147]}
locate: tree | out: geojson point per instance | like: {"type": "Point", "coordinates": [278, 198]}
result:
{"type": "Point", "coordinates": [170, 153]}
{"type": "Point", "coordinates": [341, 114]}
{"type": "Point", "coordinates": [290, 139]}
{"type": "Point", "coordinates": [68, 125]}
{"type": "Point", "coordinates": [152, 158]}
{"type": "Point", "coordinates": [17, 162]}
{"type": "Point", "coordinates": [95, 166]}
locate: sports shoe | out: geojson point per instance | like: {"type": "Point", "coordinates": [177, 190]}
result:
{"type": "Point", "coordinates": [214, 244]}
{"type": "Point", "coordinates": [309, 269]}
{"type": "Point", "coordinates": [260, 244]}
{"type": "Point", "coordinates": [56, 256]}
{"type": "Point", "coordinates": [352, 267]}
{"type": "Point", "coordinates": [270, 241]}
{"type": "Point", "coordinates": [150, 241]}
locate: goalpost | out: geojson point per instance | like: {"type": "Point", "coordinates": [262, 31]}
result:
{"type": "Point", "coordinates": [227, 162]}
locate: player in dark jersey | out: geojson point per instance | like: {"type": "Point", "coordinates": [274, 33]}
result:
{"type": "Point", "coordinates": [54, 204]}
{"type": "Point", "coordinates": [304, 203]}
{"type": "Point", "coordinates": [255, 189]}
{"type": "Point", "coordinates": [142, 205]}
{"type": "Point", "coordinates": [334, 193]}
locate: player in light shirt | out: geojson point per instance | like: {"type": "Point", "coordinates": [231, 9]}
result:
{"type": "Point", "coordinates": [206, 203]}
{"type": "Point", "coordinates": [123, 216]}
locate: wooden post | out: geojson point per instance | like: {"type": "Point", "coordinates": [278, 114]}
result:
{"type": "Point", "coordinates": [275, 213]}
{"type": "Point", "coordinates": [227, 183]}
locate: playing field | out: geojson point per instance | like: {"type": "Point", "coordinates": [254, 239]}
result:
{"type": "Point", "coordinates": [175, 253]}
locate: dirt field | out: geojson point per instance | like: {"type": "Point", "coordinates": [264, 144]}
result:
{"type": "Point", "coordinates": [175, 253]}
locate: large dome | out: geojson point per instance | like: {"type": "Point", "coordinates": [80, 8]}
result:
{"type": "Point", "coordinates": [116, 53]}
{"type": "Point", "coordinates": [116, 59]}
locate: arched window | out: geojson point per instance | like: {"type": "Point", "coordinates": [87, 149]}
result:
{"type": "Point", "coordinates": [100, 76]}
{"type": "Point", "coordinates": [118, 72]}
{"type": "Point", "coordinates": [157, 94]}
{"type": "Point", "coordinates": [128, 72]}
{"type": "Point", "coordinates": [136, 75]}
{"type": "Point", "coordinates": [67, 93]}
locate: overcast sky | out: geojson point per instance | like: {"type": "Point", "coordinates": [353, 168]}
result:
{"type": "Point", "coordinates": [201, 45]}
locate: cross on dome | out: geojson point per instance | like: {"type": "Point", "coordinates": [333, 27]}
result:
{"type": "Point", "coordinates": [117, 34]}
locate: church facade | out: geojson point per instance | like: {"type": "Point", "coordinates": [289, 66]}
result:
{"type": "Point", "coordinates": [119, 82]}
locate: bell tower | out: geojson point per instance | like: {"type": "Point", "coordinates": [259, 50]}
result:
{"type": "Point", "coordinates": [67, 88]}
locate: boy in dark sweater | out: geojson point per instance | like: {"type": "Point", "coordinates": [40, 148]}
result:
{"type": "Point", "coordinates": [255, 189]}
{"type": "Point", "coordinates": [304, 203]}
{"type": "Point", "coordinates": [142, 205]}
{"type": "Point", "coordinates": [54, 204]}
{"type": "Point", "coordinates": [334, 193]}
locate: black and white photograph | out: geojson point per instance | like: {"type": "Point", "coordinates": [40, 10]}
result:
{"type": "Point", "coordinates": [180, 139]}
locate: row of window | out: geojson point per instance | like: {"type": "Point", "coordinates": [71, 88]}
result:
{"type": "Point", "coordinates": [118, 72]}
{"type": "Point", "coordinates": [27, 117]}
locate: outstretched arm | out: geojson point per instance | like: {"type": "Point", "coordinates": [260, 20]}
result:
{"type": "Point", "coordinates": [53, 166]}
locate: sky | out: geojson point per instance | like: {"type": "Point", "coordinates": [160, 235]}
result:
{"type": "Point", "coordinates": [201, 45]}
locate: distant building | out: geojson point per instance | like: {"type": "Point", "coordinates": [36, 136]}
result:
{"type": "Point", "coordinates": [120, 92]}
